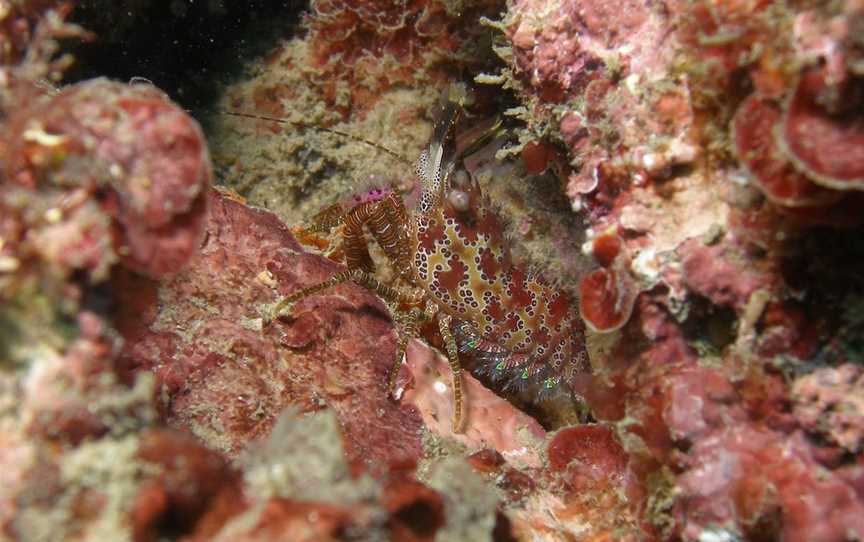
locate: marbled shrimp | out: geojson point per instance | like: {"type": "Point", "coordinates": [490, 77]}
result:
{"type": "Point", "coordinates": [454, 270]}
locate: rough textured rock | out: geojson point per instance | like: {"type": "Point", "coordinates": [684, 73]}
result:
{"type": "Point", "coordinates": [226, 375]}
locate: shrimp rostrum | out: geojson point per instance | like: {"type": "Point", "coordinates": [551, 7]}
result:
{"type": "Point", "coordinates": [454, 270]}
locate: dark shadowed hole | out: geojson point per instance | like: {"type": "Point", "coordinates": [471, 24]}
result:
{"type": "Point", "coordinates": [182, 47]}
{"type": "Point", "coordinates": [711, 326]}
{"type": "Point", "coordinates": [421, 517]}
{"type": "Point", "coordinates": [171, 526]}
{"type": "Point", "coordinates": [767, 526]}
{"type": "Point", "coordinates": [503, 529]}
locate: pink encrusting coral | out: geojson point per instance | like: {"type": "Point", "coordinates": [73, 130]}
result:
{"type": "Point", "coordinates": [596, 58]}
{"type": "Point", "coordinates": [130, 146]}
{"type": "Point", "coordinates": [709, 136]}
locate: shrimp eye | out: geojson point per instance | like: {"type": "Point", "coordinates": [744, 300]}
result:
{"type": "Point", "coordinates": [459, 200]}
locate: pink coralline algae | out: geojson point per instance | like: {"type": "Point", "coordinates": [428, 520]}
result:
{"type": "Point", "coordinates": [233, 376]}
{"type": "Point", "coordinates": [721, 36]}
{"type": "Point", "coordinates": [590, 57]}
{"type": "Point", "coordinates": [559, 46]}
{"type": "Point", "coordinates": [749, 478]}
{"type": "Point", "coordinates": [830, 402]}
{"type": "Point", "coordinates": [711, 137]}
{"type": "Point", "coordinates": [128, 147]}
{"type": "Point", "coordinates": [710, 271]}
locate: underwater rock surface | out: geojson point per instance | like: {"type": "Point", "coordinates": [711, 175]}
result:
{"type": "Point", "coordinates": [691, 171]}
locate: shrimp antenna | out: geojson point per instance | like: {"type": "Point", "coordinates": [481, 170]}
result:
{"type": "Point", "coordinates": [334, 131]}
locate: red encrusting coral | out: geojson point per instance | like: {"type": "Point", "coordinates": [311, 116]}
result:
{"type": "Point", "coordinates": [802, 150]}
{"type": "Point", "coordinates": [606, 247]}
{"type": "Point", "coordinates": [822, 130]}
{"type": "Point", "coordinates": [586, 456]}
{"type": "Point", "coordinates": [536, 156]}
{"type": "Point", "coordinates": [607, 295]}
{"type": "Point", "coordinates": [605, 302]}
{"type": "Point", "coordinates": [754, 132]}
